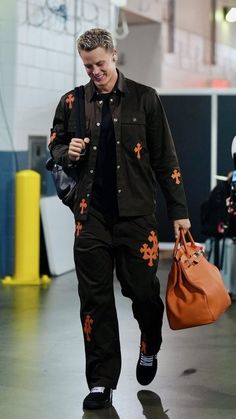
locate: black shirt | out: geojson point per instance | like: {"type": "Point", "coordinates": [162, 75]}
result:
{"type": "Point", "coordinates": [104, 192]}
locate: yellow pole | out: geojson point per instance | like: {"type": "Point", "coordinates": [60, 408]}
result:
{"type": "Point", "coordinates": [27, 231]}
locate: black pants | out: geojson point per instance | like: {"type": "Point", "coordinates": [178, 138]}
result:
{"type": "Point", "coordinates": [129, 245]}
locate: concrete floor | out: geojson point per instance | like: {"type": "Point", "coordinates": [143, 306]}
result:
{"type": "Point", "coordinates": [42, 361]}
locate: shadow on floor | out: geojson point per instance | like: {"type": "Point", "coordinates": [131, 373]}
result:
{"type": "Point", "coordinates": [150, 401]}
{"type": "Point", "coordinates": [152, 405]}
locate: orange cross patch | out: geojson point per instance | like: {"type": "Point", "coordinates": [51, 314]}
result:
{"type": "Point", "coordinates": [70, 100]}
{"type": "Point", "coordinates": [83, 205]}
{"type": "Point", "coordinates": [137, 150]}
{"type": "Point", "coordinates": [53, 136]}
{"type": "Point", "coordinates": [176, 176]}
{"type": "Point", "coordinates": [78, 229]}
{"type": "Point", "coordinates": [88, 327]}
{"type": "Point", "coordinates": [150, 253]}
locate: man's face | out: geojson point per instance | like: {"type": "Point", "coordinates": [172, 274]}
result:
{"type": "Point", "coordinates": [100, 65]}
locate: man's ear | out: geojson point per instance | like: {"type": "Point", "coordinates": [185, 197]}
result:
{"type": "Point", "coordinates": [114, 55]}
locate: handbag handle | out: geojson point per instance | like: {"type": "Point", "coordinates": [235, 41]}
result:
{"type": "Point", "coordinates": [181, 240]}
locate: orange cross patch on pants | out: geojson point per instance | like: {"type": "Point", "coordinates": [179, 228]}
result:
{"type": "Point", "coordinates": [150, 253]}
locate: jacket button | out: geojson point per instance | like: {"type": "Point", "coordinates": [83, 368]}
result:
{"type": "Point", "coordinates": [91, 171]}
{"type": "Point", "coordinates": [117, 142]}
{"type": "Point", "coordinates": [98, 124]}
{"type": "Point", "coordinates": [119, 190]}
{"type": "Point", "coordinates": [88, 195]}
{"type": "Point", "coordinates": [115, 119]}
{"type": "Point", "coordinates": [118, 166]}
{"type": "Point", "coordinates": [94, 147]}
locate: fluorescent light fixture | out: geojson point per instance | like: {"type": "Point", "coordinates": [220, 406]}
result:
{"type": "Point", "coordinates": [231, 15]}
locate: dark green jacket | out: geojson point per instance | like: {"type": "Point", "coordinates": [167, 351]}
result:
{"type": "Point", "coordinates": [145, 150]}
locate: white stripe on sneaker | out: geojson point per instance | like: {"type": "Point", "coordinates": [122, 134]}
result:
{"type": "Point", "coordinates": [147, 360]}
{"type": "Point", "coordinates": [97, 390]}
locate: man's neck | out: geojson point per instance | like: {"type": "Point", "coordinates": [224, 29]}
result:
{"type": "Point", "coordinates": [109, 87]}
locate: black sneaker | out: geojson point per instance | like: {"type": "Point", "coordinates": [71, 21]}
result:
{"type": "Point", "coordinates": [146, 368]}
{"type": "Point", "coordinates": [98, 398]}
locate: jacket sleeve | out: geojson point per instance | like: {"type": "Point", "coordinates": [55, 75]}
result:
{"type": "Point", "coordinates": [60, 137]}
{"type": "Point", "coordinates": [163, 158]}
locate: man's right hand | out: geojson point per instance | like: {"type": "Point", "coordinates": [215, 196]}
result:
{"type": "Point", "coordinates": [77, 148]}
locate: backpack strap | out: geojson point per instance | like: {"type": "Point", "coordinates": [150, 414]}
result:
{"type": "Point", "coordinates": [80, 125]}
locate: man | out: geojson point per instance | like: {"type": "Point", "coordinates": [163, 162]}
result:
{"type": "Point", "coordinates": [127, 148]}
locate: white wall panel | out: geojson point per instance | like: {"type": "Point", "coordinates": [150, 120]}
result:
{"type": "Point", "coordinates": [59, 240]}
{"type": "Point", "coordinates": [34, 77]}
{"type": "Point", "coordinates": [8, 37]}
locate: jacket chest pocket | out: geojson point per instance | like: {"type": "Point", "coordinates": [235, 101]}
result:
{"type": "Point", "coordinates": [134, 127]}
{"type": "Point", "coordinates": [133, 120]}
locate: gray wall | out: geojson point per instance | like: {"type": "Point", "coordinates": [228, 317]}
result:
{"type": "Point", "coordinates": [140, 54]}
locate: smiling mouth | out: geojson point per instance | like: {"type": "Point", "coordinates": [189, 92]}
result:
{"type": "Point", "coordinates": [98, 78]}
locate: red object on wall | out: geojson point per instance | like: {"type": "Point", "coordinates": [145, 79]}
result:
{"type": "Point", "coordinates": [220, 83]}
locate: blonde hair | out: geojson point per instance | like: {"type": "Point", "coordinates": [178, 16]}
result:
{"type": "Point", "coordinates": [94, 38]}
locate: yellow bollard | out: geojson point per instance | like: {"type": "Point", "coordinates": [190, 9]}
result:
{"type": "Point", "coordinates": [27, 231]}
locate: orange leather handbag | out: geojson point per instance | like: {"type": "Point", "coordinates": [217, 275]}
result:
{"type": "Point", "coordinates": [195, 293]}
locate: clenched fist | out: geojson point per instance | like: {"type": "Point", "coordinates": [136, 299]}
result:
{"type": "Point", "coordinates": [77, 148]}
